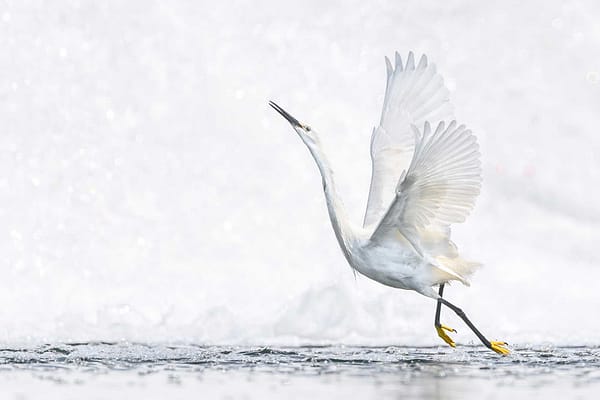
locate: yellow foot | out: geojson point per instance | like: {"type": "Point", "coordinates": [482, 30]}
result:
{"type": "Point", "coordinates": [499, 348]}
{"type": "Point", "coordinates": [440, 330]}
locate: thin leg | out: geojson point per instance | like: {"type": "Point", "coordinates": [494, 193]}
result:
{"type": "Point", "coordinates": [438, 326]}
{"type": "Point", "coordinates": [438, 309]}
{"type": "Point", "coordinates": [498, 347]}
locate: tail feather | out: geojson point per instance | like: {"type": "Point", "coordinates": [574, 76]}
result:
{"type": "Point", "coordinates": [455, 268]}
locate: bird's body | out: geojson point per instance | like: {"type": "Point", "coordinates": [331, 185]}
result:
{"type": "Point", "coordinates": [391, 261]}
{"type": "Point", "coordinates": [423, 180]}
{"type": "Point", "coordinates": [394, 263]}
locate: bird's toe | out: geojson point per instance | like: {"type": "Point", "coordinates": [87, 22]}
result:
{"type": "Point", "coordinates": [441, 333]}
{"type": "Point", "coordinates": [499, 347]}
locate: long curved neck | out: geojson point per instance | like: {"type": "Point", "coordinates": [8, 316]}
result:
{"type": "Point", "coordinates": [337, 212]}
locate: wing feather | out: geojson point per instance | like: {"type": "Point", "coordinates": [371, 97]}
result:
{"type": "Point", "coordinates": [413, 95]}
{"type": "Point", "coordinates": [438, 189]}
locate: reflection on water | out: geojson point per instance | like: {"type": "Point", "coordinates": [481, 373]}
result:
{"type": "Point", "coordinates": [155, 371]}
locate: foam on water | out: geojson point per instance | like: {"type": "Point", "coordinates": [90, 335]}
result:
{"type": "Point", "coordinates": [471, 361]}
{"type": "Point", "coordinates": [322, 371]}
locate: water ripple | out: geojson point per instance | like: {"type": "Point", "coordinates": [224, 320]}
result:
{"type": "Point", "coordinates": [579, 362]}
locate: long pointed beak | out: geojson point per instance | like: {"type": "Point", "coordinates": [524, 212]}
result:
{"type": "Point", "coordinates": [286, 115]}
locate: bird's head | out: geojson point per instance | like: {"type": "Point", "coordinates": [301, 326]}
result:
{"type": "Point", "coordinates": [308, 136]}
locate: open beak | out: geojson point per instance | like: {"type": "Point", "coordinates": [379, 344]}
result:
{"type": "Point", "coordinates": [290, 119]}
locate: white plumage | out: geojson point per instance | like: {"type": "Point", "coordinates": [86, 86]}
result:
{"type": "Point", "coordinates": [413, 95]}
{"type": "Point", "coordinates": [439, 188]}
{"type": "Point", "coordinates": [423, 180]}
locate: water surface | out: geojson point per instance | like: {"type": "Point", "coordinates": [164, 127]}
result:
{"type": "Point", "coordinates": [105, 370]}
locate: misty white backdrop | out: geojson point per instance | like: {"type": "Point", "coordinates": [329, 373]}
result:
{"type": "Point", "coordinates": [148, 192]}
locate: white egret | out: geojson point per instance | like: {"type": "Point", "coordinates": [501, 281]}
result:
{"type": "Point", "coordinates": [426, 175]}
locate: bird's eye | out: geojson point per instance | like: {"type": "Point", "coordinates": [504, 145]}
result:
{"type": "Point", "coordinates": [307, 128]}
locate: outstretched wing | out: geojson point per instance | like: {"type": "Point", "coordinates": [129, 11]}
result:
{"type": "Point", "coordinates": [413, 95]}
{"type": "Point", "coordinates": [438, 189]}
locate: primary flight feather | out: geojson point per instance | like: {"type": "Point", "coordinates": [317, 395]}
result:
{"type": "Point", "coordinates": [426, 175]}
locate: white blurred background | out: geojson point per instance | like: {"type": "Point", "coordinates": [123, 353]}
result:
{"type": "Point", "coordinates": [149, 193]}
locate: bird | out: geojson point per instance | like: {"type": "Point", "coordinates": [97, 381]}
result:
{"type": "Point", "coordinates": [426, 176]}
